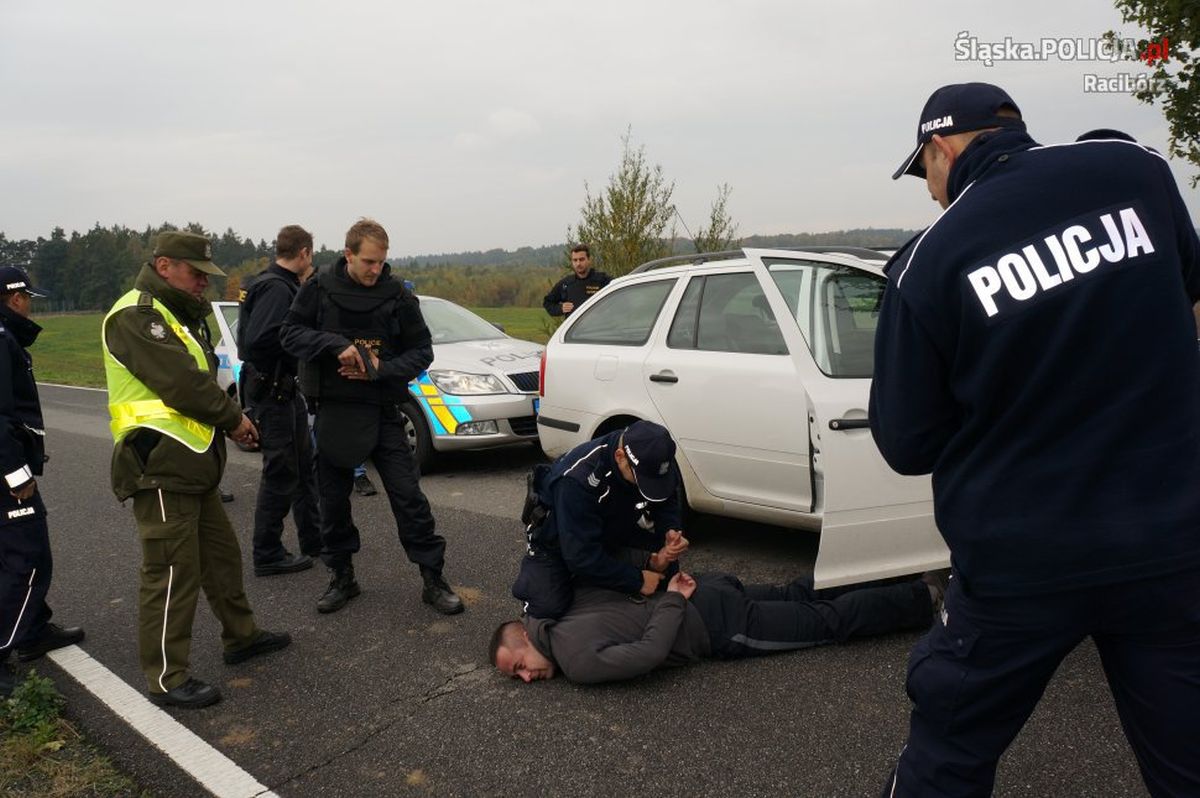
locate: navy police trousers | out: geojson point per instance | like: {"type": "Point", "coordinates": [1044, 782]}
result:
{"type": "Point", "coordinates": [25, 571]}
{"type": "Point", "coordinates": [976, 677]}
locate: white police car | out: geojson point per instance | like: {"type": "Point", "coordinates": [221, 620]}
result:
{"type": "Point", "coordinates": [480, 390]}
{"type": "Point", "coordinates": [759, 363]}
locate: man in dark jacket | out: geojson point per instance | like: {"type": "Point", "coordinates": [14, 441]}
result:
{"type": "Point", "coordinates": [606, 637]}
{"type": "Point", "coordinates": [360, 337]}
{"type": "Point", "coordinates": [166, 410]}
{"type": "Point", "coordinates": [1036, 353]}
{"type": "Point", "coordinates": [613, 521]}
{"type": "Point", "coordinates": [25, 561]}
{"type": "Point", "coordinates": [269, 380]}
{"type": "Point", "coordinates": [577, 287]}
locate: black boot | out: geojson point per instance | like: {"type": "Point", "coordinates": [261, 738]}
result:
{"type": "Point", "coordinates": [192, 694]}
{"type": "Point", "coordinates": [342, 588]}
{"type": "Point", "coordinates": [438, 594]}
{"type": "Point", "coordinates": [53, 637]}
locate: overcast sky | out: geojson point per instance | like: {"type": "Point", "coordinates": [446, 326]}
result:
{"type": "Point", "coordinates": [473, 124]}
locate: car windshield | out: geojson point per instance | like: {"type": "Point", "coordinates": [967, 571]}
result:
{"type": "Point", "coordinates": [448, 323]}
{"type": "Point", "coordinates": [230, 312]}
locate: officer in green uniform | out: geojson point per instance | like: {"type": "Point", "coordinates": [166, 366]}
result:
{"type": "Point", "coordinates": [166, 408]}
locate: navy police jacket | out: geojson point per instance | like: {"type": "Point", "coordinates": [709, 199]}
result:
{"type": "Point", "coordinates": [598, 518]}
{"type": "Point", "coordinates": [1036, 351]}
{"type": "Point", "coordinates": [21, 429]}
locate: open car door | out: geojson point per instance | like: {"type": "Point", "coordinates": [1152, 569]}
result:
{"type": "Point", "coordinates": [875, 522]}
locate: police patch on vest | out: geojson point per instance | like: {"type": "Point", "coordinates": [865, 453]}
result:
{"type": "Point", "coordinates": [21, 512]}
{"type": "Point", "coordinates": [1049, 263]}
{"type": "Point", "coordinates": [157, 331]}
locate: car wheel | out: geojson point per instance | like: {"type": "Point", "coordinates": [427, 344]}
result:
{"type": "Point", "coordinates": [416, 430]}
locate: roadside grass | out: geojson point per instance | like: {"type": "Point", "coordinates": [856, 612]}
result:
{"type": "Point", "coordinates": [530, 324]}
{"type": "Point", "coordinates": [44, 756]}
{"type": "Point", "coordinates": [68, 349]}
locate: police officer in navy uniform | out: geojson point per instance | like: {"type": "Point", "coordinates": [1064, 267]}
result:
{"type": "Point", "coordinates": [287, 481]}
{"type": "Point", "coordinates": [577, 287]}
{"type": "Point", "coordinates": [613, 520]}
{"type": "Point", "coordinates": [1035, 352]}
{"type": "Point", "coordinates": [25, 561]}
{"type": "Point", "coordinates": [360, 337]}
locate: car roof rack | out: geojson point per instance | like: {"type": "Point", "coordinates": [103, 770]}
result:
{"type": "Point", "coordinates": [863, 253]}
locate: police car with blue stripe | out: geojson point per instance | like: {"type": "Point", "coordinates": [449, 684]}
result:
{"type": "Point", "coordinates": [480, 391]}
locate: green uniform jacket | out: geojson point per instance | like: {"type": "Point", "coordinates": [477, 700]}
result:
{"type": "Point", "coordinates": [142, 340]}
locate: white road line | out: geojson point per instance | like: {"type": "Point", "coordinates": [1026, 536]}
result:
{"type": "Point", "coordinates": [216, 772]}
{"type": "Point", "coordinates": [75, 387]}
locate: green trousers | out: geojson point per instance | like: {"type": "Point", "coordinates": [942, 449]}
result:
{"type": "Point", "coordinates": [188, 544]}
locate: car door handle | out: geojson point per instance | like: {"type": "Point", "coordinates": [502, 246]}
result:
{"type": "Point", "coordinates": [840, 424]}
{"type": "Point", "coordinates": [664, 376]}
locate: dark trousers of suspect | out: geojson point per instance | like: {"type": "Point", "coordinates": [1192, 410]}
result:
{"type": "Point", "coordinates": [752, 620]}
{"type": "Point", "coordinates": [979, 673]}
{"type": "Point", "coordinates": [401, 482]}
{"type": "Point", "coordinates": [288, 483]}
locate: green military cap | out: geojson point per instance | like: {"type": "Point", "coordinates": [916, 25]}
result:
{"type": "Point", "coordinates": [190, 247]}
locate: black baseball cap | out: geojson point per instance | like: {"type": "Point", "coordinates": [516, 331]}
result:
{"type": "Point", "coordinates": [958, 108]}
{"type": "Point", "coordinates": [651, 453]}
{"type": "Point", "coordinates": [14, 278]}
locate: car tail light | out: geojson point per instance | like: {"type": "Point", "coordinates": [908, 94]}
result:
{"type": "Point", "coordinates": [542, 375]}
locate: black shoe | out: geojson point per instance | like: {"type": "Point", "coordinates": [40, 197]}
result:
{"type": "Point", "coordinates": [8, 679]}
{"type": "Point", "coordinates": [439, 595]}
{"type": "Point", "coordinates": [192, 694]}
{"type": "Point", "coordinates": [226, 496]}
{"type": "Point", "coordinates": [54, 637]}
{"type": "Point", "coordinates": [363, 486]}
{"type": "Point", "coordinates": [342, 588]}
{"type": "Point", "coordinates": [287, 564]}
{"type": "Point", "coordinates": [265, 643]}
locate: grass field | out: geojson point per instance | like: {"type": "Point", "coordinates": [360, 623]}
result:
{"type": "Point", "coordinates": [68, 350]}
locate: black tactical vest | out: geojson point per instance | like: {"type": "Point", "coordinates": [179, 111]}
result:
{"type": "Point", "coordinates": [366, 316]}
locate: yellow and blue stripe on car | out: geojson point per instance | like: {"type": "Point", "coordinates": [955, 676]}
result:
{"type": "Point", "coordinates": [444, 411]}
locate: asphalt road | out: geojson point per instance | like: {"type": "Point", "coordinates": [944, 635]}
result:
{"type": "Point", "coordinates": [388, 698]}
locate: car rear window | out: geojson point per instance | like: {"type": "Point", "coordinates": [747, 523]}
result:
{"type": "Point", "coordinates": [836, 308]}
{"type": "Point", "coordinates": [623, 317]}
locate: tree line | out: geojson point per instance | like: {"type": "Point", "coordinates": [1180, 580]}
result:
{"type": "Point", "coordinates": [90, 270]}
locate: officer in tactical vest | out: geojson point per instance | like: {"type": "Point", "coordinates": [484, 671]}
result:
{"type": "Point", "coordinates": [25, 562]}
{"type": "Point", "coordinates": [360, 337]}
{"type": "Point", "coordinates": [269, 381]}
{"type": "Point", "coordinates": [166, 408]}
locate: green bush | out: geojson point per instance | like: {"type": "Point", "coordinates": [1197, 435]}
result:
{"type": "Point", "coordinates": [33, 708]}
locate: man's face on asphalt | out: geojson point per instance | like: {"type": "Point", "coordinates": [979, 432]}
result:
{"type": "Point", "coordinates": [365, 267]}
{"type": "Point", "coordinates": [181, 275]}
{"type": "Point", "coordinates": [519, 659]}
{"type": "Point", "coordinates": [581, 262]}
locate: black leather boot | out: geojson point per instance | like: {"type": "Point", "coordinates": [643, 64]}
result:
{"type": "Point", "coordinates": [52, 638]}
{"type": "Point", "coordinates": [342, 588]}
{"type": "Point", "coordinates": [437, 593]}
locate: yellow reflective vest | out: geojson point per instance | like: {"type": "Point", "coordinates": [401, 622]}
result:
{"type": "Point", "coordinates": [131, 404]}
